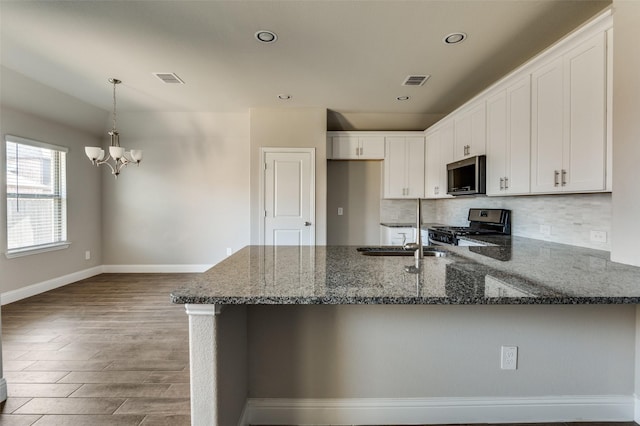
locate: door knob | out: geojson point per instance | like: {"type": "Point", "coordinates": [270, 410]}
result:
{"type": "Point", "coordinates": [307, 224]}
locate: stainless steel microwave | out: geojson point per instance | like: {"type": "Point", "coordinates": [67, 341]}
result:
{"type": "Point", "coordinates": [467, 177]}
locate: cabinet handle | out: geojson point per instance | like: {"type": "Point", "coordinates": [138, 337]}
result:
{"type": "Point", "coordinates": [501, 184]}
{"type": "Point", "coordinates": [564, 177]}
{"type": "Point", "coordinates": [506, 182]}
{"type": "Point", "coordinates": [556, 175]}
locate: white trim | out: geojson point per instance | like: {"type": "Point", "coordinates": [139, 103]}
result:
{"type": "Point", "coordinates": [32, 290]}
{"type": "Point", "coordinates": [3, 389]}
{"type": "Point", "coordinates": [636, 416]}
{"type": "Point", "coordinates": [36, 143]}
{"type": "Point", "coordinates": [244, 416]}
{"type": "Point", "coordinates": [41, 287]}
{"type": "Point", "coordinates": [155, 269]}
{"type": "Point", "coordinates": [11, 254]}
{"type": "Point", "coordinates": [376, 411]}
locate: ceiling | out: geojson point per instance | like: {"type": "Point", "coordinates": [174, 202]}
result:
{"type": "Point", "coordinates": [350, 57]}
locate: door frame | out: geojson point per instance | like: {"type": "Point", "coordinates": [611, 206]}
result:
{"type": "Point", "coordinates": [312, 189]}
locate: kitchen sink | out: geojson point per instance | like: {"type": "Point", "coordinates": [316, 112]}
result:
{"type": "Point", "coordinates": [400, 251]}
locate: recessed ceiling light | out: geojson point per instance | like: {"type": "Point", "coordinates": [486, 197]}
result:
{"type": "Point", "coordinates": [454, 38]}
{"type": "Point", "coordinates": [403, 98]}
{"type": "Point", "coordinates": [284, 97]}
{"type": "Point", "coordinates": [266, 36]}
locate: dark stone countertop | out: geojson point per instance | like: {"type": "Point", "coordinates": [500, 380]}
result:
{"type": "Point", "coordinates": [514, 270]}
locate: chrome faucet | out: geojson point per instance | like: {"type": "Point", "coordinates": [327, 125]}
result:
{"type": "Point", "coordinates": [417, 246]}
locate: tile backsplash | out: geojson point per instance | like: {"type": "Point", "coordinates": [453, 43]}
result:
{"type": "Point", "coordinates": [566, 219]}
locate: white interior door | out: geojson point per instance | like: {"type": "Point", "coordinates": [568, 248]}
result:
{"type": "Point", "coordinates": [289, 196]}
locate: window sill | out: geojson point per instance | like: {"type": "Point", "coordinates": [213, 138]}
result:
{"type": "Point", "coordinates": [10, 254]}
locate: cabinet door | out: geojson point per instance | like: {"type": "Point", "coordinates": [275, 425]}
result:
{"type": "Point", "coordinates": [585, 116]}
{"type": "Point", "coordinates": [446, 157]}
{"type": "Point", "coordinates": [518, 159]}
{"type": "Point", "coordinates": [415, 167]}
{"type": "Point", "coordinates": [371, 148]}
{"type": "Point", "coordinates": [345, 147]}
{"type": "Point", "coordinates": [547, 127]}
{"type": "Point", "coordinates": [395, 168]}
{"type": "Point", "coordinates": [470, 132]}
{"type": "Point", "coordinates": [497, 143]}
{"type": "Point", "coordinates": [432, 164]}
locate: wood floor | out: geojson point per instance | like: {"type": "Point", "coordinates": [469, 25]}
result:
{"type": "Point", "coordinates": [109, 350]}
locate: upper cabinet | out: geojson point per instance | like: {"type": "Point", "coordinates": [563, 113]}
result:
{"type": "Point", "coordinates": [470, 131]}
{"type": "Point", "coordinates": [404, 167]}
{"type": "Point", "coordinates": [351, 146]}
{"type": "Point", "coordinates": [569, 133]}
{"type": "Point", "coordinates": [438, 153]}
{"type": "Point", "coordinates": [509, 139]}
{"type": "Point", "coordinates": [545, 128]}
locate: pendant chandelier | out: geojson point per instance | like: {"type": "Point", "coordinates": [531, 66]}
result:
{"type": "Point", "coordinates": [120, 157]}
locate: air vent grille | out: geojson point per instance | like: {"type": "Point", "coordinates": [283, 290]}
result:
{"type": "Point", "coordinates": [415, 80]}
{"type": "Point", "coordinates": [168, 77]}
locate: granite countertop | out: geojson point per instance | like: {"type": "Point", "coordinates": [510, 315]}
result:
{"type": "Point", "coordinates": [514, 270]}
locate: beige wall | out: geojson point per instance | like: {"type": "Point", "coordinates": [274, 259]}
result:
{"type": "Point", "coordinates": [189, 199]}
{"type": "Point", "coordinates": [83, 205]}
{"type": "Point", "coordinates": [626, 133]}
{"type": "Point", "coordinates": [439, 351]}
{"type": "Point", "coordinates": [355, 186]}
{"type": "Point", "coordinates": [288, 127]}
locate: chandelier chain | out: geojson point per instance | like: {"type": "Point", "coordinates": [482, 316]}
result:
{"type": "Point", "coordinates": [114, 104]}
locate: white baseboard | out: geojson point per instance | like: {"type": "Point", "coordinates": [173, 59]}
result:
{"type": "Point", "coordinates": [376, 411]}
{"type": "Point", "coordinates": [155, 269]}
{"type": "Point", "coordinates": [34, 289]}
{"type": "Point", "coordinates": [3, 389]}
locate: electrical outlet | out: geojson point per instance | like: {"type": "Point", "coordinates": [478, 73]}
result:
{"type": "Point", "coordinates": [509, 358]}
{"type": "Point", "coordinates": [229, 251]}
{"type": "Point", "coordinates": [340, 211]}
{"type": "Point", "coordinates": [87, 255]}
{"type": "Point", "coordinates": [545, 229]}
{"type": "Point", "coordinates": [599, 236]}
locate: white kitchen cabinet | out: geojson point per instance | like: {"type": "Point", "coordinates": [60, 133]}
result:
{"type": "Point", "coordinates": [404, 167]}
{"type": "Point", "coordinates": [470, 131]}
{"type": "Point", "coordinates": [568, 137]}
{"type": "Point", "coordinates": [396, 236]}
{"type": "Point", "coordinates": [509, 139]}
{"type": "Point", "coordinates": [353, 147]}
{"type": "Point", "coordinates": [438, 153]}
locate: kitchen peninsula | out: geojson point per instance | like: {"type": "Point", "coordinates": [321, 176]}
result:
{"type": "Point", "coordinates": [227, 306]}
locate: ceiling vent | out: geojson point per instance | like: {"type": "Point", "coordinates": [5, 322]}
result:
{"type": "Point", "coordinates": [415, 80]}
{"type": "Point", "coordinates": [168, 77]}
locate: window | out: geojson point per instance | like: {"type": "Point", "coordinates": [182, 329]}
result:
{"type": "Point", "coordinates": [36, 196]}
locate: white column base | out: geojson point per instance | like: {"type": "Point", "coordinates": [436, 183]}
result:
{"type": "Point", "coordinates": [3, 389]}
{"type": "Point", "coordinates": [203, 352]}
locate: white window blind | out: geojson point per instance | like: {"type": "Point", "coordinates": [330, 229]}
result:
{"type": "Point", "coordinates": [36, 194]}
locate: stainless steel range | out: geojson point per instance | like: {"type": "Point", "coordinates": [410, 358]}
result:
{"type": "Point", "coordinates": [481, 222]}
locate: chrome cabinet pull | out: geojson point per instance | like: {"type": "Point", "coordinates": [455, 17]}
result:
{"type": "Point", "coordinates": [564, 177]}
{"type": "Point", "coordinates": [307, 224]}
{"type": "Point", "coordinates": [556, 175]}
{"type": "Point", "coordinates": [506, 182]}
{"type": "Point", "coordinates": [501, 184]}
